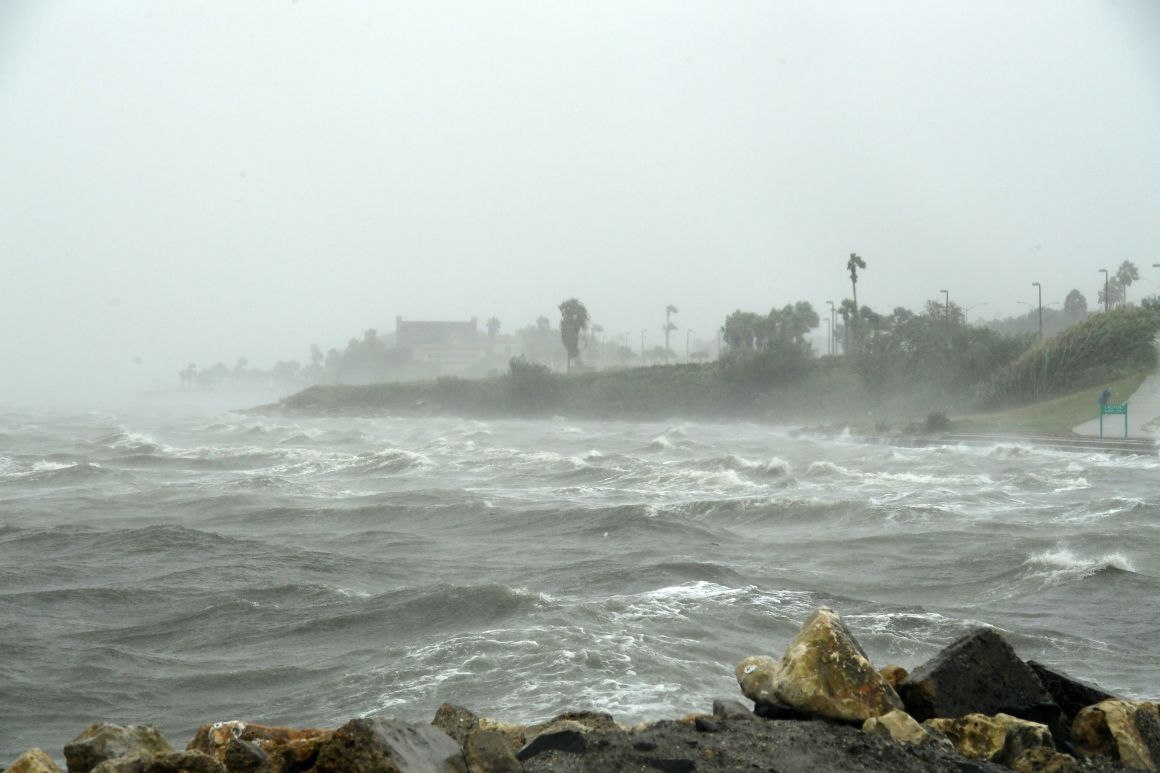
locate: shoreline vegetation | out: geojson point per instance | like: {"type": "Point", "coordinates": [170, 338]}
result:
{"type": "Point", "coordinates": [953, 385]}
{"type": "Point", "coordinates": [976, 706]}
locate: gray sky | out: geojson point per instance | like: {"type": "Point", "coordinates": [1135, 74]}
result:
{"type": "Point", "coordinates": [201, 181]}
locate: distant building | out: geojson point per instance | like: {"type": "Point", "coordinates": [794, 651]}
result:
{"type": "Point", "coordinates": [410, 334]}
{"type": "Point", "coordinates": [442, 347]}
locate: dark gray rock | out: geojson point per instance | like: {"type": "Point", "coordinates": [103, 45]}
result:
{"type": "Point", "coordinates": [389, 746]}
{"type": "Point", "coordinates": [1071, 695]}
{"type": "Point", "coordinates": [979, 673]}
{"type": "Point", "coordinates": [244, 757]}
{"type": "Point", "coordinates": [727, 708]}
{"type": "Point", "coordinates": [744, 744]}
{"type": "Point", "coordinates": [568, 741]}
{"type": "Point", "coordinates": [104, 741]}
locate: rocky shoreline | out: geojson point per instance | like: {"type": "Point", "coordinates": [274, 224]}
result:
{"type": "Point", "coordinates": [821, 706]}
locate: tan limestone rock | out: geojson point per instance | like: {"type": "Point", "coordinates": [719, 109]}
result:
{"type": "Point", "coordinates": [1044, 760]}
{"type": "Point", "coordinates": [893, 675]}
{"type": "Point", "coordinates": [1127, 731]}
{"type": "Point", "coordinates": [824, 672]}
{"type": "Point", "coordinates": [901, 727]}
{"type": "Point", "coordinates": [1001, 738]}
{"type": "Point", "coordinates": [33, 761]}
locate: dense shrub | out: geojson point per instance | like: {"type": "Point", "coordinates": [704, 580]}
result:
{"type": "Point", "coordinates": [1102, 348]}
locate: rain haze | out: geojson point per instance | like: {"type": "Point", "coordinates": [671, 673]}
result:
{"type": "Point", "coordinates": [198, 182]}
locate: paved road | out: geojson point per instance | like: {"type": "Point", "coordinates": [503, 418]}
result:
{"type": "Point", "coordinates": [1143, 413]}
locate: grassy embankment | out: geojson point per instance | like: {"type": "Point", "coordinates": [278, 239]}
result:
{"type": "Point", "coordinates": [1048, 389]}
{"type": "Point", "coordinates": [1052, 417]}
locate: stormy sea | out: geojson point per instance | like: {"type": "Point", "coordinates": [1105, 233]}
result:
{"type": "Point", "coordinates": [181, 566]}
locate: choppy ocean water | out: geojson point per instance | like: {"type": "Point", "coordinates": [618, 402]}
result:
{"type": "Point", "coordinates": [182, 566]}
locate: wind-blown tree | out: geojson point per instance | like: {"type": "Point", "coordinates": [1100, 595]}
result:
{"type": "Point", "coordinates": [852, 265]}
{"type": "Point", "coordinates": [1075, 307]}
{"type": "Point", "coordinates": [792, 322]}
{"type": "Point", "coordinates": [573, 319]}
{"type": "Point", "coordinates": [1115, 294]}
{"type": "Point", "coordinates": [1126, 274]}
{"type": "Point", "coordinates": [492, 327]}
{"type": "Point", "coordinates": [847, 311]}
{"type": "Point", "coordinates": [669, 326]}
{"type": "Point", "coordinates": [744, 331]}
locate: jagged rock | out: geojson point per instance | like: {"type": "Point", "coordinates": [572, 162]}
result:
{"type": "Point", "coordinates": [168, 762]}
{"type": "Point", "coordinates": [389, 746]}
{"type": "Point", "coordinates": [1071, 695]}
{"type": "Point", "coordinates": [727, 708]}
{"type": "Point", "coordinates": [104, 741]}
{"type": "Point", "coordinates": [894, 675]}
{"type": "Point", "coordinates": [824, 672]}
{"type": "Point", "coordinates": [1127, 731]}
{"type": "Point", "coordinates": [978, 674]}
{"type": "Point", "coordinates": [488, 751]}
{"type": "Point", "coordinates": [456, 721]}
{"type": "Point", "coordinates": [774, 745]}
{"type": "Point", "coordinates": [561, 738]}
{"type": "Point", "coordinates": [1044, 760]}
{"type": "Point", "coordinates": [901, 727]}
{"type": "Point", "coordinates": [1001, 738]}
{"type": "Point", "coordinates": [33, 761]}
{"type": "Point", "coordinates": [238, 745]}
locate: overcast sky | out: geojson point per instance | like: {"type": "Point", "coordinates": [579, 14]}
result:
{"type": "Point", "coordinates": [199, 181]}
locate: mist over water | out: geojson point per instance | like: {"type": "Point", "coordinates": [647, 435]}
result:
{"type": "Point", "coordinates": [182, 567]}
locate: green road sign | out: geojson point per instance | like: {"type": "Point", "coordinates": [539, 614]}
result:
{"type": "Point", "coordinates": [1121, 408]}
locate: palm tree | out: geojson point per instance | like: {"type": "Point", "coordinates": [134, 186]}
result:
{"type": "Point", "coordinates": [669, 326]}
{"type": "Point", "coordinates": [573, 319]}
{"type": "Point", "coordinates": [1127, 273]}
{"type": "Point", "coordinates": [852, 265]}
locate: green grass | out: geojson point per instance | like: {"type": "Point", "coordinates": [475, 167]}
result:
{"type": "Point", "coordinates": [1051, 417]}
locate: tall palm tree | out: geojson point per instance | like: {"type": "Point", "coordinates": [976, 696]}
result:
{"type": "Point", "coordinates": [852, 265]}
{"type": "Point", "coordinates": [573, 319]}
{"type": "Point", "coordinates": [1127, 273]}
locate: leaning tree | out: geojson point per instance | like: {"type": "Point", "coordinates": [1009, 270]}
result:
{"type": "Point", "coordinates": [573, 319]}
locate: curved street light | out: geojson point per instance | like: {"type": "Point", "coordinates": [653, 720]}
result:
{"type": "Point", "coordinates": [1040, 288]}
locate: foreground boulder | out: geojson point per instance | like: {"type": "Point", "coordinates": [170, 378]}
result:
{"type": "Point", "coordinates": [104, 741]}
{"type": "Point", "coordinates": [1071, 695]}
{"type": "Point", "coordinates": [33, 761]}
{"type": "Point", "coordinates": [244, 747]}
{"type": "Point", "coordinates": [977, 674]}
{"type": "Point", "coordinates": [1126, 731]}
{"type": "Point", "coordinates": [824, 672]}
{"type": "Point", "coordinates": [901, 727]}
{"type": "Point", "coordinates": [1001, 738]}
{"type": "Point", "coordinates": [168, 762]}
{"type": "Point", "coordinates": [389, 746]}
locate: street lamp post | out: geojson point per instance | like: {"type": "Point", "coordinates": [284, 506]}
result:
{"type": "Point", "coordinates": [968, 309]}
{"type": "Point", "coordinates": [1040, 287]}
{"type": "Point", "coordinates": [687, 334]}
{"type": "Point", "coordinates": [642, 347]}
{"type": "Point", "coordinates": [948, 295]}
{"type": "Point", "coordinates": [1104, 271]}
{"type": "Point", "coordinates": [830, 334]}
{"type": "Point", "coordinates": [833, 329]}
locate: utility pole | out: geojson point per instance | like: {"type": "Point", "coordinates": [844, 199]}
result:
{"type": "Point", "coordinates": [1036, 284]}
{"type": "Point", "coordinates": [1107, 306]}
{"type": "Point", "coordinates": [642, 347]}
{"type": "Point", "coordinates": [948, 295]}
{"type": "Point", "coordinates": [833, 329]}
{"type": "Point", "coordinates": [830, 335]}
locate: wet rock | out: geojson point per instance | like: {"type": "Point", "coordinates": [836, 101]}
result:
{"type": "Point", "coordinates": [1071, 695]}
{"type": "Point", "coordinates": [389, 746]}
{"type": "Point", "coordinates": [774, 745]}
{"type": "Point", "coordinates": [978, 674]}
{"type": "Point", "coordinates": [824, 672]}
{"type": "Point", "coordinates": [727, 708]}
{"type": "Point", "coordinates": [169, 762]}
{"type": "Point", "coordinates": [488, 751]}
{"type": "Point", "coordinates": [1044, 760]}
{"type": "Point", "coordinates": [894, 675]}
{"type": "Point", "coordinates": [456, 721]}
{"type": "Point", "coordinates": [286, 749]}
{"type": "Point", "coordinates": [561, 739]}
{"type": "Point", "coordinates": [901, 727]}
{"type": "Point", "coordinates": [33, 761]}
{"type": "Point", "coordinates": [104, 741]}
{"type": "Point", "coordinates": [1001, 738]}
{"type": "Point", "coordinates": [1126, 731]}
